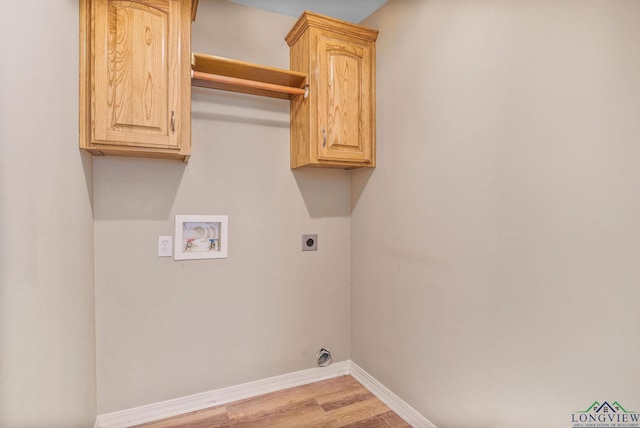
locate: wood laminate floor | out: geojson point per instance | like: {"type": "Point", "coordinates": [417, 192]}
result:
{"type": "Point", "coordinates": [340, 402]}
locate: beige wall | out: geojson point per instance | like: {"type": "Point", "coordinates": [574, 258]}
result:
{"type": "Point", "coordinates": [167, 329]}
{"type": "Point", "coordinates": [496, 248]}
{"type": "Point", "coordinates": [47, 342]}
{"type": "Point", "coordinates": [494, 258]}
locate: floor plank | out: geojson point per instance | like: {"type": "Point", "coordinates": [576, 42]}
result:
{"type": "Point", "coordinates": [339, 402]}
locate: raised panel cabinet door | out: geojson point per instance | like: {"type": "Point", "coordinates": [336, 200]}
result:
{"type": "Point", "coordinates": [136, 84]}
{"type": "Point", "coordinates": [344, 100]}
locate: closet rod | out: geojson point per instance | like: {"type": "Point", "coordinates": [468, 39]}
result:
{"type": "Point", "coordinates": [217, 78]}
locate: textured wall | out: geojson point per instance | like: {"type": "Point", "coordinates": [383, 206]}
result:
{"type": "Point", "coordinates": [495, 248]}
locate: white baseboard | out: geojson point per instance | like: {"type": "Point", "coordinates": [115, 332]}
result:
{"type": "Point", "coordinates": [192, 403]}
{"type": "Point", "coordinates": [395, 403]}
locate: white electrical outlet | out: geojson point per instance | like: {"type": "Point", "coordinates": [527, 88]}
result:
{"type": "Point", "coordinates": [164, 246]}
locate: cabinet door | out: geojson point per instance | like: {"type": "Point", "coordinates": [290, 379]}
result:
{"type": "Point", "coordinates": [344, 100]}
{"type": "Point", "coordinates": [136, 73]}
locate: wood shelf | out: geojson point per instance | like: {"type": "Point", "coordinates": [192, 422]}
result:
{"type": "Point", "coordinates": [238, 76]}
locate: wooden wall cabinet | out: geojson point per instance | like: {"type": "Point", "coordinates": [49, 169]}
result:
{"type": "Point", "coordinates": [135, 82]}
{"type": "Point", "coordinates": [335, 125]}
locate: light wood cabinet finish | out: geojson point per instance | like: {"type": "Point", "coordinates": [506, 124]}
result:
{"type": "Point", "coordinates": [135, 85]}
{"type": "Point", "coordinates": [335, 125]}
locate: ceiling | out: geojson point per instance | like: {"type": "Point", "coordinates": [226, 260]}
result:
{"type": "Point", "coordinates": [347, 10]}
